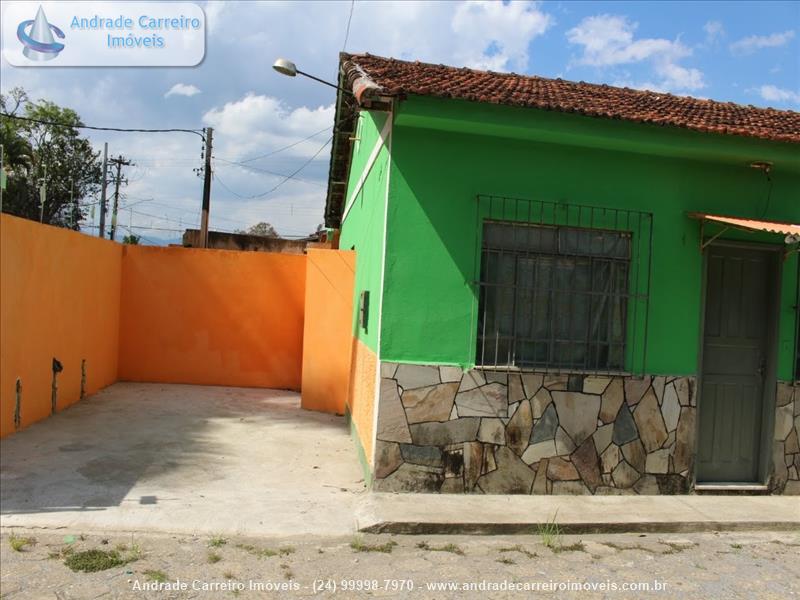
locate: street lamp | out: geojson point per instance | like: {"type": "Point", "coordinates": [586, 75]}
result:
{"type": "Point", "coordinates": [288, 68]}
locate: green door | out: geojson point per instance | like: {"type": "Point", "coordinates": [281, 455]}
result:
{"type": "Point", "coordinates": [739, 293]}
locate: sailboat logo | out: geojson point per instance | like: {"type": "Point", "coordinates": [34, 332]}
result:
{"type": "Point", "coordinates": [37, 37]}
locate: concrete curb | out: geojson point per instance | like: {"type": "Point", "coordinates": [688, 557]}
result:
{"type": "Point", "coordinates": [422, 514]}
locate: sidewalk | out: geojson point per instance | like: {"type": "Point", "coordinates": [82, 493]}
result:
{"type": "Point", "coordinates": [442, 514]}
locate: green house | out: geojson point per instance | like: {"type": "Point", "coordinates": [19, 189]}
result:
{"type": "Point", "coordinates": [565, 287]}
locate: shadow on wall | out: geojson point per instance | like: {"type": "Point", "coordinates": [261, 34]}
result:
{"type": "Point", "coordinates": [151, 438]}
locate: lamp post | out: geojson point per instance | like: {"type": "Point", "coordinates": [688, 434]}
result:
{"type": "Point", "coordinates": [288, 68]}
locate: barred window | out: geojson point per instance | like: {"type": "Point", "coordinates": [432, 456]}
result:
{"type": "Point", "coordinates": [553, 297]}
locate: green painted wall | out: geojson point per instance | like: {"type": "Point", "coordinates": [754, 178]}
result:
{"type": "Point", "coordinates": [446, 152]}
{"type": "Point", "coordinates": [362, 229]}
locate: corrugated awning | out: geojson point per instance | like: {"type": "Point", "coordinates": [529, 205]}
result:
{"type": "Point", "coordinates": [751, 224]}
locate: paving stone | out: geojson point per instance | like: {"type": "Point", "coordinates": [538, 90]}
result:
{"type": "Point", "coordinates": [784, 421]}
{"type": "Point", "coordinates": [545, 428]}
{"type": "Point", "coordinates": [536, 452]}
{"type": "Point", "coordinates": [556, 382]}
{"type": "Point", "coordinates": [541, 483]}
{"type": "Point", "coordinates": [492, 431]}
{"type": "Point", "coordinates": [785, 394]}
{"type": "Point", "coordinates": [452, 485]}
{"type": "Point", "coordinates": [518, 430]}
{"type": "Point", "coordinates": [454, 413]}
{"type": "Point", "coordinates": [473, 464]}
{"type": "Point", "coordinates": [392, 425]}
{"type": "Point", "coordinates": [512, 476]}
{"type": "Point", "coordinates": [657, 462]}
{"type": "Point", "coordinates": [453, 459]}
{"type": "Point", "coordinates": [577, 413]}
{"type": "Point", "coordinates": [683, 390]}
{"type": "Point", "coordinates": [612, 491]}
{"type": "Point", "coordinates": [564, 443]}
{"type": "Point", "coordinates": [792, 488]}
{"type": "Point", "coordinates": [672, 484]}
{"type": "Point", "coordinates": [429, 456]}
{"type": "Point", "coordinates": [388, 369]}
{"type": "Point", "coordinates": [792, 446]}
{"type": "Point", "coordinates": [649, 422]}
{"type": "Point", "coordinates": [659, 383]}
{"type": "Point", "coordinates": [561, 469]}
{"type": "Point", "coordinates": [647, 486]}
{"type": "Point", "coordinates": [635, 455]}
{"type": "Point", "coordinates": [487, 401]}
{"type": "Point", "coordinates": [570, 488]}
{"type": "Point", "coordinates": [464, 429]}
{"type": "Point", "coordinates": [500, 377]}
{"type": "Point", "coordinates": [670, 408]}
{"type": "Point", "coordinates": [684, 439]}
{"type": "Point", "coordinates": [610, 458]}
{"type": "Point", "coordinates": [450, 374]}
{"type": "Point", "coordinates": [670, 441]}
{"type": "Point", "coordinates": [602, 437]}
{"type": "Point", "coordinates": [515, 390]}
{"type": "Point", "coordinates": [613, 398]}
{"type": "Point", "coordinates": [387, 458]}
{"type": "Point", "coordinates": [587, 463]}
{"type": "Point", "coordinates": [411, 478]}
{"type": "Point", "coordinates": [624, 427]}
{"type": "Point", "coordinates": [540, 401]}
{"type": "Point", "coordinates": [434, 403]}
{"type": "Point", "coordinates": [624, 475]}
{"type": "Point", "coordinates": [595, 385]}
{"type": "Point", "coordinates": [531, 383]}
{"type": "Point", "coordinates": [410, 377]}
{"type": "Point", "coordinates": [780, 471]}
{"type": "Point", "coordinates": [470, 380]}
{"type": "Point", "coordinates": [635, 389]}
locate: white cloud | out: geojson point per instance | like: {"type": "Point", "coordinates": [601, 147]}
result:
{"type": "Point", "coordinates": [714, 30]}
{"type": "Point", "coordinates": [772, 93]}
{"type": "Point", "coordinates": [608, 41]}
{"type": "Point", "coordinates": [752, 43]}
{"type": "Point", "coordinates": [182, 89]}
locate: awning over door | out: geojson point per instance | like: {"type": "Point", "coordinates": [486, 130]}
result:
{"type": "Point", "coordinates": [791, 231]}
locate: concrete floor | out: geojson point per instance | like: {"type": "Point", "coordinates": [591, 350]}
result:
{"type": "Point", "coordinates": [183, 459]}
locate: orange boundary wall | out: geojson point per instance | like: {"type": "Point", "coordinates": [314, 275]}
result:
{"type": "Point", "coordinates": [327, 334]}
{"type": "Point", "coordinates": [60, 298]}
{"type": "Point", "coordinates": [212, 317]}
{"type": "Point", "coordinates": [173, 315]}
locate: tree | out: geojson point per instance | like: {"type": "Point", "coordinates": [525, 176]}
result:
{"type": "Point", "coordinates": [132, 239]}
{"type": "Point", "coordinates": [56, 154]}
{"type": "Point", "coordinates": [263, 229]}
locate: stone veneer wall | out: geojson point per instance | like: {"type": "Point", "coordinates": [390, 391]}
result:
{"type": "Point", "coordinates": [441, 429]}
{"type": "Point", "coordinates": [785, 447]}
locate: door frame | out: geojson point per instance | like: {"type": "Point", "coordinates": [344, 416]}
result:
{"type": "Point", "coordinates": [768, 398]}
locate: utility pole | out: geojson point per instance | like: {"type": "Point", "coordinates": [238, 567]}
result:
{"type": "Point", "coordinates": [102, 230]}
{"type": "Point", "coordinates": [120, 162]}
{"type": "Point", "coordinates": [42, 194]}
{"type": "Point", "coordinates": [206, 189]}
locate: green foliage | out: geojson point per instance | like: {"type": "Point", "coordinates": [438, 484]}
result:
{"type": "Point", "coordinates": [131, 239]}
{"type": "Point", "coordinates": [73, 169]}
{"type": "Point", "coordinates": [18, 544]}
{"type": "Point", "coordinates": [358, 545]}
{"type": "Point", "coordinates": [91, 561]}
{"type": "Point", "coordinates": [263, 229]}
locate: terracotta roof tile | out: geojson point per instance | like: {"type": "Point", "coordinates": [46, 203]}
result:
{"type": "Point", "coordinates": [401, 78]}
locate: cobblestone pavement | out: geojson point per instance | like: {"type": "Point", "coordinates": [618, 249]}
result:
{"type": "Point", "coordinates": [723, 565]}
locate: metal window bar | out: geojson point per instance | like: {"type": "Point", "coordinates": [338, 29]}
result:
{"type": "Point", "coordinates": [576, 279]}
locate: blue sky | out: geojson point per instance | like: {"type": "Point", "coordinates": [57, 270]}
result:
{"type": "Point", "coordinates": [745, 52]}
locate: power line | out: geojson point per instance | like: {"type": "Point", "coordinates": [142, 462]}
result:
{"type": "Point", "coordinates": [347, 31]}
{"type": "Point", "coordinates": [267, 171]}
{"type": "Point", "coordinates": [123, 129]}
{"type": "Point", "coordinates": [313, 135]}
{"type": "Point", "coordinates": [284, 180]}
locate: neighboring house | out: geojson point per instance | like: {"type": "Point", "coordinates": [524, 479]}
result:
{"type": "Point", "coordinates": [564, 287]}
{"type": "Point", "coordinates": [222, 240]}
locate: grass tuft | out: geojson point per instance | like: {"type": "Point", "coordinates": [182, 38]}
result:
{"type": "Point", "coordinates": [217, 542]}
{"type": "Point", "coordinates": [155, 575]}
{"type": "Point", "coordinates": [517, 548]}
{"type": "Point", "coordinates": [550, 533]}
{"type": "Point", "coordinates": [91, 561]}
{"type": "Point", "coordinates": [20, 544]}
{"type": "Point", "coordinates": [506, 561]}
{"type": "Point", "coordinates": [452, 548]}
{"type": "Point", "coordinates": [214, 557]}
{"type": "Point", "coordinates": [358, 545]}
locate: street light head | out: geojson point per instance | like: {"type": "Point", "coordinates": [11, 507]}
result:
{"type": "Point", "coordinates": [285, 67]}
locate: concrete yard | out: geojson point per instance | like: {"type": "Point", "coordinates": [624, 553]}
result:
{"type": "Point", "coordinates": [183, 459]}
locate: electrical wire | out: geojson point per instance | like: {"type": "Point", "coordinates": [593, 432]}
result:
{"type": "Point", "coordinates": [123, 129]}
{"type": "Point", "coordinates": [347, 31]}
{"type": "Point", "coordinates": [246, 160]}
{"type": "Point", "coordinates": [267, 171]}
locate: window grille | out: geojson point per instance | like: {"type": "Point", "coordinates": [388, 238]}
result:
{"type": "Point", "coordinates": [562, 287]}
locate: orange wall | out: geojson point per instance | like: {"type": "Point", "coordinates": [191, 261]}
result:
{"type": "Point", "coordinates": [328, 330]}
{"type": "Point", "coordinates": [59, 294]}
{"type": "Point", "coordinates": [212, 317]}
{"type": "Point", "coordinates": [361, 398]}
